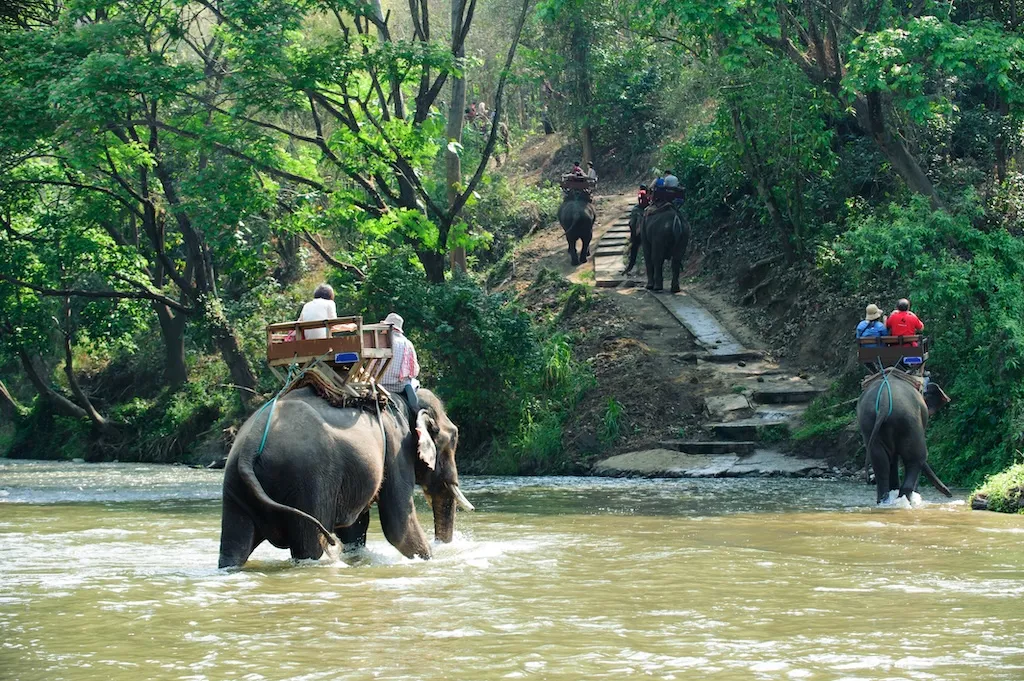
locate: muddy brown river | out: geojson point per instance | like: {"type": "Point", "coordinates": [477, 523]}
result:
{"type": "Point", "coordinates": [108, 572]}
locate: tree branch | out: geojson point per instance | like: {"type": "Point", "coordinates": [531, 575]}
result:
{"type": "Point", "coordinates": [77, 293]}
{"type": "Point", "coordinates": [329, 259]}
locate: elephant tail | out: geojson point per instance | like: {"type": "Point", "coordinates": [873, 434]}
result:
{"type": "Point", "coordinates": [934, 479]}
{"type": "Point", "coordinates": [246, 457]}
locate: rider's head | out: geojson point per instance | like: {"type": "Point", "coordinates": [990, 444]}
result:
{"type": "Point", "coordinates": [643, 187]}
{"type": "Point", "coordinates": [324, 291]}
{"type": "Point", "coordinates": [903, 305]}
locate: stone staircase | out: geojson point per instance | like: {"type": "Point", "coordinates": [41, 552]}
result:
{"type": "Point", "coordinates": [608, 251]}
{"type": "Point", "coordinates": [753, 405]}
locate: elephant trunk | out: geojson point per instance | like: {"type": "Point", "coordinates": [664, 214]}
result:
{"type": "Point", "coordinates": [443, 505]}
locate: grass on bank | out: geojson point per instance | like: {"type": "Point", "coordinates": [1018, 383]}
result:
{"type": "Point", "coordinates": [1004, 492]}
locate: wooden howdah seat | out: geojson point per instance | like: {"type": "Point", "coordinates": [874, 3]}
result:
{"type": "Point", "coordinates": [356, 351]}
{"type": "Point", "coordinates": [571, 181]}
{"type": "Point", "coordinates": [890, 351]}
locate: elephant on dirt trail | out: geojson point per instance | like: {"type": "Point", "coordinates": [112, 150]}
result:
{"type": "Point", "coordinates": [892, 415]}
{"type": "Point", "coordinates": [577, 217]}
{"type": "Point", "coordinates": [665, 234]}
{"type": "Point", "coordinates": [322, 467]}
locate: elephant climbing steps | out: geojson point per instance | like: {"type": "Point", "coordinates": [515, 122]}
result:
{"type": "Point", "coordinates": [665, 234]}
{"type": "Point", "coordinates": [577, 217]}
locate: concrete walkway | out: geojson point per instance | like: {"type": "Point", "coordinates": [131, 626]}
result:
{"type": "Point", "coordinates": [703, 326]}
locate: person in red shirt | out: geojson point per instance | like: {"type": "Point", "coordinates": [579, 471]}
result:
{"type": "Point", "coordinates": [643, 197]}
{"type": "Point", "coordinates": [903, 322]}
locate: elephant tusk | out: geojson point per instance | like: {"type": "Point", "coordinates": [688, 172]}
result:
{"type": "Point", "coordinates": [461, 498]}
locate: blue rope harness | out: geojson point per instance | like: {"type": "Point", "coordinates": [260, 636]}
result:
{"type": "Point", "coordinates": [273, 405]}
{"type": "Point", "coordinates": [887, 386]}
{"type": "Point", "coordinates": [292, 377]}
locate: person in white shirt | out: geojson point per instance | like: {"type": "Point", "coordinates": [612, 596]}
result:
{"type": "Point", "coordinates": [321, 307]}
{"type": "Point", "coordinates": [591, 173]}
{"type": "Point", "coordinates": [670, 179]}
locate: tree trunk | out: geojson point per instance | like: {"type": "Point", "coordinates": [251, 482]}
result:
{"type": "Point", "coordinates": [433, 264]}
{"type": "Point", "coordinates": [581, 59]}
{"type": "Point", "coordinates": [172, 329]}
{"type": "Point", "coordinates": [752, 169]}
{"type": "Point", "coordinates": [456, 110]}
{"type": "Point", "coordinates": [60, 404]}
{"type": "Point", "coordinates": [98, 421]}
{"type": "Point", "coordinates": [870, 114]}
{"type": "Point", "coordinates": [587, 144]}
{"type": "Point", "coordinates": [10, 410]}
{"type": "Point", "coordinates": [224, 338]}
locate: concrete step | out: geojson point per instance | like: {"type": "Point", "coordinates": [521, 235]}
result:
{"type": "Point", "coordinates": [712, 447]}
{"type": "Point", "coordinates": [786, 394]}
{"type": "Point", "coordinates": [724, 358]}
{"type": "Point", "coordinates": [751, 429]}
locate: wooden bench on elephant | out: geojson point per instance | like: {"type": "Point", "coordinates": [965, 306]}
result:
{"type": "Point", "coordinates": [571, 181]}
{"type": "Point", "coordinates": [911, 351]}
{"type": "Point", "coordinates": [357, 352]}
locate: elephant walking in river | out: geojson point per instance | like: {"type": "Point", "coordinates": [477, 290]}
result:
{"type": "Point", "coordinates": [577, 217]}
{"type": "Point", "coordinates": [321, 468]}
{"type": "Point", "coordinates": [892, 415]}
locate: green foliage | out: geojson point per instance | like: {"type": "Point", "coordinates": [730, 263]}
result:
{"type": "Point", "coordinates": [612, 422]}
{"type": "Point", "coordinates": [1004, 491]}
{"type": "Point", "coordinates": [831, 412]}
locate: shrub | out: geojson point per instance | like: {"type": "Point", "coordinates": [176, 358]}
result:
{"type": "Point", "coordinates": [1004, 491]}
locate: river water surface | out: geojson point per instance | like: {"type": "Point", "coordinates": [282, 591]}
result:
{"type": "Point", "coordinates": [109, 572]}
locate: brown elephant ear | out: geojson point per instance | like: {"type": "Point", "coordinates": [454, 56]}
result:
{"type": "Point", "coordinates": [425, 443]}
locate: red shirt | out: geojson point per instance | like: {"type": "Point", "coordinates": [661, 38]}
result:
{"type": "Point", "coordinates": [643, 198]}
{"type": "Point", "coordinates": [904, 324]}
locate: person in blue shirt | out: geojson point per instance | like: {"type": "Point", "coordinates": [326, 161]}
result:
{"type": "Point", "coordinates": [873, 325]}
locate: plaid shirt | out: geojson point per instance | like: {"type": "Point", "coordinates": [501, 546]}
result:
{"type": "Point", "coordinates": [404, 367]}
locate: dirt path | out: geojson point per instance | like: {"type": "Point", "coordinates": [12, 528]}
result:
{"type": "Point", "coordinates": [699, 396]}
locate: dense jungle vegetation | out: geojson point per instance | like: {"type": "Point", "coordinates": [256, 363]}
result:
{"type": "Point", "coordinates": [176, 173]}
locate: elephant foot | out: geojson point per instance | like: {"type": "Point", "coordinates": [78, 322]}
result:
{"type": "Point", "coordinates": [583, 259]}
{"type": "Point", "coordinates": [676, 289]}
{"type": "Point", "coordinates": [649, 287]}
{"type": "Point", "coordinates": [574, 262]}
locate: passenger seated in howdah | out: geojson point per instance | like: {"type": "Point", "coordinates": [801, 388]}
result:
{"type": "Point", "coordinates": [321, 307]}
{"type": "Point", "coordinates": [643, 196]}
{"type": "Point", "coordinates": [903, 322]}
{"type": "Point", "coordinates": [873, 325]}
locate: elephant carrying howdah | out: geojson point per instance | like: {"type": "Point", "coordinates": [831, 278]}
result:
{"type": "Point", "coordinates": [892, 414]}
{"type": "Point", "coordinates": [664, 234]}
{"type": "Point", "coordinates": [321, 468]}
{"type": "Point", "coordinates": [577, 217]}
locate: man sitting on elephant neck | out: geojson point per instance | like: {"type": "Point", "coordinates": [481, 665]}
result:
{"type": "Point", "coordinates": [401, 374]}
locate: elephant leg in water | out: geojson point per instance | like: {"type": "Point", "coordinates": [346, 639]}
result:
{"type": "Point", "coordinates": [354, 536]}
